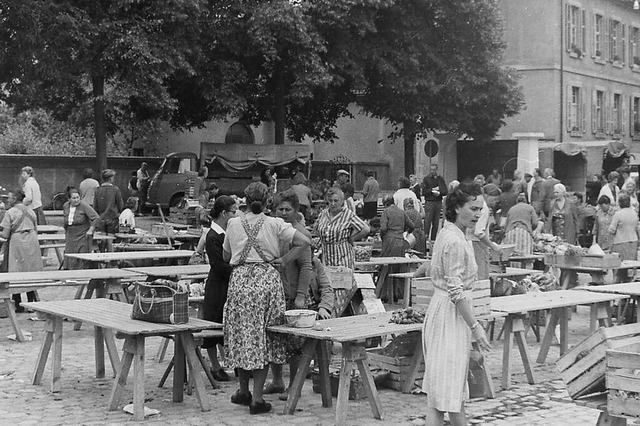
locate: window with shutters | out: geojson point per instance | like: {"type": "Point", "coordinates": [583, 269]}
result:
{"type": "Point", "coordinates": [616, 42]}
{"type": "Point", "coordinates": [575, 111]}
{"type": "Point", "coordinates": [576, 31]}
{"type": "Point", "coordinates": [616, 114]}
{"type": "Point", "coordinates": [634, 47]}
{"type": "Point", "coordinates": [598, 112]}
{"type": "Point", "coordinates": [635, 117]}
{"type": "Point", "coordinates": [598, 36]}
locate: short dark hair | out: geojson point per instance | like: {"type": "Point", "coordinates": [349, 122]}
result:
{"type": "Point", "coordinates": [624, 201]}
{"type": "Point", "coordinates": [87, 173]}
{"type": "Point", "coordinates": [404, 182]}
{"type": "Point", "coordinates": [507, 185]}
{"type": "Point", "coordinates": [388, 201]}
{"type": "Point", "coordinates": [459, 197]}
{"type": "Point", "coordinates": [604, 199]}
{"type": "Point", "coordinates": [222, 204]}
{"type": "Point", "coordinates": [18, 194]}
{"type": "Point", "coordinates": [288, 196]}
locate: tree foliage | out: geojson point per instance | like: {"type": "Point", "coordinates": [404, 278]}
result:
{"type": "Point", "coordinates": [63, 54]}
{"type": "Point", "coordinates": [125, 64]}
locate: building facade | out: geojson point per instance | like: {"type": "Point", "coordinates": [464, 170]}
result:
{"type": "Point", "coordinates": [579, 62]}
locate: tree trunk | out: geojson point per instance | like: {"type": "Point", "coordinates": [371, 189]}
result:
{"type": "Point", "coordinates": [98, 117]}
{"type": "Point", "coordinates": [409, 145]}
{"type": "Point", "coordinates": [278, 106]}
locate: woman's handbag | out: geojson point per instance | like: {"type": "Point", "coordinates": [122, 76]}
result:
{"type": "Point", "coordinates": [161, 301]}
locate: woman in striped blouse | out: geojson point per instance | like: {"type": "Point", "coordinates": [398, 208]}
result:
{"type": "Point", "coordinates": [450, 322]}
{"type": "Point", "coordinates": [338, 227]}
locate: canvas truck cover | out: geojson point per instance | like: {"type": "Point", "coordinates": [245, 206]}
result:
{"type": "Point", "coordinates": [238, 157]}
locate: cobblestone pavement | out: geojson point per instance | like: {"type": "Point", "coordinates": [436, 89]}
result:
{"type": "Point", "coordinates": [83, 397]}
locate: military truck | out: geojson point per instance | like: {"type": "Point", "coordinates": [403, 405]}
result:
{"type": "Point", "coordinates": [231, 167]}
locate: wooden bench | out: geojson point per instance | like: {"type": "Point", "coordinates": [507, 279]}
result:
{"type": "Point", "coordinates": [110, 317]}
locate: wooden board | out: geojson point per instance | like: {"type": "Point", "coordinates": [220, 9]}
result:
{"type": "Point", "coordinates": [340, 277]}
{"type": "Point", "coordinates": [522, 303]}
{"type": "Point", "coordinates": [378, 261]}
{"type": "Point", "coordinates": [64, 275]}
{"type": "Point", "coordinates": [170, 271]}
{"type": "Point", "coordinates": [349, 329]}
{"type": "Point", "coordinates": [114, 315]}
{"type": "Point", "coordinates": [108, 257]}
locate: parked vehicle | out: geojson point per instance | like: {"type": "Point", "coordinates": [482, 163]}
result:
{"type": "Point", "coordinates": [231, 167]}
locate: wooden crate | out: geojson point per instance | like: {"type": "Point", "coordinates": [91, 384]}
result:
{"type": "Point", "coordinates": [356, 390]}
{"type": "Point", "coordinates": [395, 358]}
{"type": "Point", "coordinates": [422, 292]}
{"type": "Point", "coordinates": [583, 367]}
{"type": "Point", "coordinates": [622, 383]}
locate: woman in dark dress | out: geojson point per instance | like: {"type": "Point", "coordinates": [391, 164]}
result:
{"type": "Point", "coordinates": [215, 293]}
{"type": "Point", "coordinates": [79, 221]}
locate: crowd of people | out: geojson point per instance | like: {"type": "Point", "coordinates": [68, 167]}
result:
{"type": "Point", "coordinates": [265, 258]}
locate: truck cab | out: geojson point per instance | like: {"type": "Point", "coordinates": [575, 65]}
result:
{"type": "Point", "coordinates": [173, 180]}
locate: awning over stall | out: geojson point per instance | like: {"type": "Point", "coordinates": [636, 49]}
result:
{"type": "Point", "coordinates": [617, 149]}
{"type": "Point", "coordinates": [571, 149]}
{"type": "Point", "coordinates": [236, 157]}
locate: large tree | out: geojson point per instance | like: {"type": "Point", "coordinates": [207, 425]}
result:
{"type": "Point", "coordinates": [114, 54]}
{"type": "Point", "coordinates": [436, 64]}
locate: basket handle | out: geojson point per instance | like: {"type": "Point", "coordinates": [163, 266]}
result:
{"type": "Point", "coordinates": [153, 296]}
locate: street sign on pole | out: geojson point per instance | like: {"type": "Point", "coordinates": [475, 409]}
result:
{"type": "Point", "coordinates": [431, 148]}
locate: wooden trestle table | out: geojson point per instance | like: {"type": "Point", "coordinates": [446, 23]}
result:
{"type": "Point", "coordinates": [110, 317]}
{"type": "Point", "coordinates": [559, 302]}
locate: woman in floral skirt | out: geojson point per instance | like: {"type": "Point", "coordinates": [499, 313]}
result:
{"type": "Point", "coordinates": [255, 297]}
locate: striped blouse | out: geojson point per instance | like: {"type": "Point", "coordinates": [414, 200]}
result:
{"type": "Point", "coordinates": [453, 267]}
{"type": "Point", "coordinates": [334, 232]}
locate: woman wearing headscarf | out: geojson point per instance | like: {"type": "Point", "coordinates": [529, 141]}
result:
{"type": "Point", "coordinates": [418, 230]}
{"type": "Point", "coordinates": [338, 228]}
{"type": "Point", "coordinates": [563, 216]}
{"type": "Point", "coordinates": [80, 221]}
{"type": "Point", "coordinates": [450, 322]}
{"type": "Point", "coordinates": [255, 298]}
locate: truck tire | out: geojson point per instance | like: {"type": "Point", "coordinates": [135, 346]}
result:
{"type": "Point", "coordinates": [175, 200]}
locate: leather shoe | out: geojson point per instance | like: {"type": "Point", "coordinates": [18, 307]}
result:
{"type": "Point", "coordinates": [220, 375]}
{"type": "Point", "coordinates": [241, 398]}
{"type": "Point", "coordinates": [259, 407]}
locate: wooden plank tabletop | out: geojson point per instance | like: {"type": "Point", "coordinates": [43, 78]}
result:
{"type": "Point", "coordinates": [631, 289]}
{"type": "Point", "coordinates": [350, 329]}
{"type": "Point", "coordinates": [377, 261]}
{"type": "Point", "coordinates": [62, 237]}
{"type": "Point", "coordinates": [525, 257]}
{"type": "Point", "coordinates": [625, 264]}
{"type": "Point", "coordinates": [522, 303]}
{"type": "Point", "coordinates": [135, 255]}
{"type": "Point", "coordinates": [65, 275]}
{"type": "Point", "coordinates": [171, 271]}
{"type": "Point", "coordinates": [116, 316]}
{"type": "Point", "coordinates": [44, 229]}
{"type": "Point", "coordinates": [513, 272]}
{"type": "Point", "coordinates": [403, 274]}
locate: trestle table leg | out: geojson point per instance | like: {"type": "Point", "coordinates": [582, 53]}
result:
{"type": "Point", "coordinates": [308, 349]}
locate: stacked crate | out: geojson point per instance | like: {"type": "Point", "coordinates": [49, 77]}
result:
{"type": "Point", "coordinates": [623, 381]}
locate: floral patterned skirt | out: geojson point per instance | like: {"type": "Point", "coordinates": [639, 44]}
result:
{"type": "Point", "coordinates": [255, 301]}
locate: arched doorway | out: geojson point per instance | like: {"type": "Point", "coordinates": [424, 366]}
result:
{"type": "Point", "coordinates": [240, 133]}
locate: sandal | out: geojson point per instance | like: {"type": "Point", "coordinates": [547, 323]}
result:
{"type": "Point", "coordinates": [273, 388]}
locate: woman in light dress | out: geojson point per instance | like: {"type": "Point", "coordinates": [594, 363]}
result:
{"type": "Point", "coordinates": [450, 322]}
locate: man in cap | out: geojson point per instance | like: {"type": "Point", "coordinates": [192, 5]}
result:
{"type": "Point", "coordinates": [342, 179]}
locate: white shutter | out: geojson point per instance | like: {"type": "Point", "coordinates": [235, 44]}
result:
{"type": "Point", "coordinates": [583, 32]}
{"type": "Point", "coordinates": [623, 130]}
{"type": "Point", "coordinates": [569, 124]}
{"type": "Point", "coordinates": [609, 112]}
{"type": "Point", "coordinates": [594, 115]}
{"type": "Point", "coordinates": [622, 49]}
{"type": "Point", "coordinates": [606, 41]}
{"type": "Point", "coordinates": [630, 116]}
{"type": "Point", "coordinates": [568, 27]}
{"type": "Point", "coordinates": [583, 110]}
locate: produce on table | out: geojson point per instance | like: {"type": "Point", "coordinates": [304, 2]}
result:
{"type": "Point", "coordinates": [544, 281]}
{"type": "Point", "coordinates": [363, 253]}
{"type": "Point", "coordinates": [407, 316]}
{"type": "Point", "coordinates": [547, 243]}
